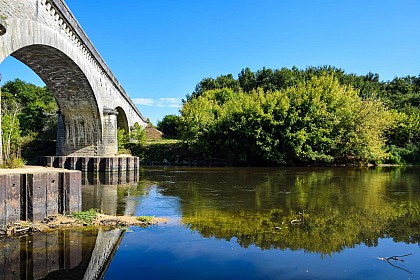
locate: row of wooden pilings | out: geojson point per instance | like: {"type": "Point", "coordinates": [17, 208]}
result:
{"type": "Point", "coordinates": [37, 194]}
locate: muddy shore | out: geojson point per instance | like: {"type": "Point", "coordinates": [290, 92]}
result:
{"type": "Point", "coordinates": [56, 222]}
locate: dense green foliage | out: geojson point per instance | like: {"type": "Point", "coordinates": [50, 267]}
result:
{"type": "Point", "coordinates": [28, 121]}
{"type": "Point", "coordinates": [318, 121]}
{"type": "Point", "coordinates": [137, 134]}
{"type": "Point", "coordinates": [319, 115]}
{"type": "Point", "coordinates": [126, 140]}
{"type": "Point", "coordinates": [169, 126]}
{"type": "Point", "coordinates": [38, 108]}
{"type": "Point", "coordinates": [158, 153]}
{"type": "Point", "coordinates": [313, 116]}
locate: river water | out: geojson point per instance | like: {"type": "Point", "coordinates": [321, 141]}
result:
{"type": "Point", "coordinates": [260, 223]}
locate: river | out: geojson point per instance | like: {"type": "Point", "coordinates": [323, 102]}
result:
{"type": "Point", "coordinates": [258, 223]}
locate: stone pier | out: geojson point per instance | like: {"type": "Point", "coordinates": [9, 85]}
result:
{"type": "Point", "coordinates": [33, 193]}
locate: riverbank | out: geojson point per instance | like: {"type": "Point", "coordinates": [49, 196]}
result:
{"type": "Point", "coordinates": [174, 153]}
{"type": "Point", "coordinates": [79, 219]}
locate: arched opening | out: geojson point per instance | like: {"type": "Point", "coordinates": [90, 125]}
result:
{"type": "Point", "coordinates": [123, 130]}
{"type": "Point", "coordinates": [122, 121]}
{"type": "Point", "coordinates": [79, 121]}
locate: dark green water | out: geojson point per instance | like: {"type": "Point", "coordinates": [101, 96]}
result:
{"type": "Point", "coordinates": [265, 223]}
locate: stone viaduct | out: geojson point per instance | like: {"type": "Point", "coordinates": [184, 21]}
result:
{"type": "Point", "coordinates": [44, 35]}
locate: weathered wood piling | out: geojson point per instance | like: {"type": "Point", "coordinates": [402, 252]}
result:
{"type": "Point", "coordinates": [31, 194]}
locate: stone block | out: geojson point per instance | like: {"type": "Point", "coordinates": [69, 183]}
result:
{"type": "Point", "coordinates": [12, 195]}
{"type": "Point", "coordinates": [70, 163]}
{"type": "Point", "coordinates": [72, 191]}
{"type": "Point", "coordinates": [122, 164]}
{"type": "Point", "coordinates": [2, 200]}
{"type": "Point", "coordinates": [52, 196]}
{"type": "Point", "coordinates": [37, 196]}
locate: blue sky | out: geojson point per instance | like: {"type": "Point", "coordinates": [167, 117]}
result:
{"type": "Point", "coordinates": [159, 50]}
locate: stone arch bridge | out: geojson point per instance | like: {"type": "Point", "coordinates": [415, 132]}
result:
{"type": "Point", "coordinates": [44, 35]}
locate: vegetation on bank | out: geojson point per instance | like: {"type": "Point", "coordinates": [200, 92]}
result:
{"type": "Point", "coordinates": [319, 115]}
{"type": "Point", "coordinates": [29, 122]}
{"type": "Point", "coordinates": [314, 116]}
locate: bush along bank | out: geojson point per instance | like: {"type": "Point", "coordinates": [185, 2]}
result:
{"type": "Point", "coordinates": [172, 153]}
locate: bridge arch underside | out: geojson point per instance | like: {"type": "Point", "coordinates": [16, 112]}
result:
{"type": "Point", "coordinates": [79, 121]}
{"type": "Point", "coordinates": [122, 121]}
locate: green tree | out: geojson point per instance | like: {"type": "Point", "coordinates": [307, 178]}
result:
{"type": "Point", "coordinates": [247, 80]}
{"type": "Point", "coordinates": [123, 138]}
{"type": "Point", "coordinates": [37, 117]}
{"type": "Point", "coordinates": [169, 126]}
{"type": "Point", "coordinates": [265, 79]}
{"type": "Point", "coordinates": [137, 134]}
{"type": "Point", "coordinates": [11, 139]}
{"type": "Point", "coordinates": [206, 84]}
{"type": "Point", "coordinates": [38, 113]}
{"type": "Point", "coordinates": [315, 121]}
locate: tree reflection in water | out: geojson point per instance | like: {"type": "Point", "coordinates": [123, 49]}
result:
{"type": "Point", "coordinates": [343, 207]}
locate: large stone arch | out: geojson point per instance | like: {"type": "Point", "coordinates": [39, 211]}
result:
{"type": "Point", "coordinates": [66, 70]}
{"type": "Point", "coordinates": [80, 127]}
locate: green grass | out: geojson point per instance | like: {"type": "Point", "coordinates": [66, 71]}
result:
{"type": "Point", "coordinates": [145, 219]}
{"type": "Point", "coordinates": [161, 141]}
{"type": "Point", "coordinates": [86, 216]}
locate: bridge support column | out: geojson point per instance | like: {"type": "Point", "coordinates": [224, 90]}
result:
{"type": "Point", "coordinates": [61, 135]}
{"type": "Point", "coordinates": [110, 141]}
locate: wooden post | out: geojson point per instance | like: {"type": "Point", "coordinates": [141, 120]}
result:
{"type": "Point", "coordinates": [1, 132]}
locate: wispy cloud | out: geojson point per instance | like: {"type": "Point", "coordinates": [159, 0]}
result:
{"type": "Point", "coordinates": [168, 102]}
{"type": "Point", "coordinates": [161, 102]}
{"type": "Point", "coordinates": [143, 101]}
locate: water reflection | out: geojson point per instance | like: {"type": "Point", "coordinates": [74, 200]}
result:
{"type": "Point", "coordinates": [63, 254]}
{"type": "Point", "coordinates": [343, 207]}
{"type": "Point", "coordinates": [111, 193]}
{"type": "Point", "coordinates": [109, 178]}
{"type": "Point", "coordinates": [74, 253]}
{"type": "Point", "coordinates": [229, 223]}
